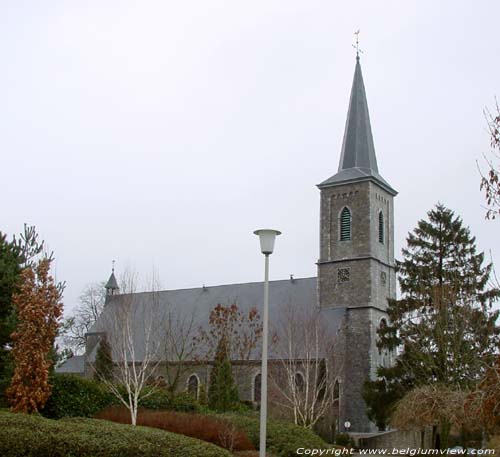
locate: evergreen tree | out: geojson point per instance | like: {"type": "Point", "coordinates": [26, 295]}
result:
{"type": "Point", "coordinates": [103, 365]}
{"type": "Point", "coordinates": [9, 272]}
{"type": "Point", "coordinates": [443, 328]}
{"type": "Point", "coordinates": [222, 392]}
{"type": "Point", "coordinates": [15, 255]}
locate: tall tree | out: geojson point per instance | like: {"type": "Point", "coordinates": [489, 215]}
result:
{"type": "Point", "coordinates": [240, 330]}
{"type": "Point", "coordinates": [490, 180]}
{"type": "Point", "coordinates": [134, 333]}
{"type": "Point", "coordinates": [9, 272]}
{"type": "Point", "coordinates": [39, 308]}
{"type": "Point", "coordinates": [222, 392]}
{"type": "Point", "coordinates": [443, 329]}
{"type": "Point", "coordinates": [103, 365]}
{"type": "Point", "coordinates": [304, 378]}
{"type": "Point", "coordinates": [179, 331]}
{"type": "Point", "coordinates": [15, 255]}
{"type": "Point", "coordinates": [76, 326]}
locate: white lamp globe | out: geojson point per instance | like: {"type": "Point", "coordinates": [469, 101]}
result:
{"type": "Point", "coordinates": [267, 238]}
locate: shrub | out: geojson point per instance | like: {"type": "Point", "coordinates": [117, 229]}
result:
{"type": "Point", "coordinates": [23, 435]}
{"type": "Point", "coordinates": [159, 399]}
{"type": "Point", "coordinates": [283, 438]}
{"type": "Point", "coordinates": [74, 396]}
{"type": "Point", "coordinates": [343, 439]}
{"type": "Point", "coordinates": [185, 403]}
{"type": "Point", "coordinates": [207, 428]}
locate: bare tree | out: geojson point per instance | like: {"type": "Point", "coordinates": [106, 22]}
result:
{"type": "Point", "coordinates": [490, 180]}
{"type": "Point", "coordinates": [131, 323]}
{"type": "Point", "coordinates": [179, 331]}
{"type": "Point", "coordinates": [90, 306]}
{"type": "Point", "coordinates": [303, 380]}
{"type": "Point", "coordinates": [241, 329]}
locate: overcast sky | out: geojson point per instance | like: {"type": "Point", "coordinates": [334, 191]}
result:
{"type": "Point", "coordinates": [162, 133]}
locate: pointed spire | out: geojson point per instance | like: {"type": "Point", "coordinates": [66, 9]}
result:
{"type": "Point", "coordinates": [358, 160]}
{"type": "Point", "coordinates": [358, 150]}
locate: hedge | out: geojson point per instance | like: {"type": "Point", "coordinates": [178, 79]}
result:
{"type": "Point", "coordinates": [35, 436]}
{"type": "Point", "coordinates": [283, 438]}
{"type": "Point", "coordinates": [73, 396]}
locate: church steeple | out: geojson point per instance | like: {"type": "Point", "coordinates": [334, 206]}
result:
{"type": "Point", "coordinates": [358, 161]}
{"type": "Point", "coordinates": [112, 284]}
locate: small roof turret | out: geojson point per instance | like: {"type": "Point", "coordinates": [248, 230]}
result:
{"type": "Point", "coordinates": [112, 284]}
{"type": "Point", "coordinates": [358, 161]}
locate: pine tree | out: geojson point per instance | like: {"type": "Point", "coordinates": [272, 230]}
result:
{"type": "Point", "coordinates": [443, 327]}
{"type": "Point", "coordinates": [9, 273]}
{"type": "Point", "coordinates": [222, 391]}
{"type": "Point", "coordinates": [103, 365]}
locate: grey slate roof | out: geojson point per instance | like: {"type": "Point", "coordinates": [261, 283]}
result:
{"type": "Point", "coordinates": [358, 161]}
{"type": "Point", "coordinates": [112, 282]}
{"type": "Point", "coordinates": [73, 365]}
{"type": "Point", "coordinates": [283, 295]}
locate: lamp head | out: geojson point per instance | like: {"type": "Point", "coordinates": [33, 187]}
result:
{"type": "Point", "coordinates": [267, 238]}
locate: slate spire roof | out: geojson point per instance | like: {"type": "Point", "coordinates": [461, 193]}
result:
{"type": "Point", "coordinates": [358, 161]}
{"type": "Point", "coordinates": [112, 283]}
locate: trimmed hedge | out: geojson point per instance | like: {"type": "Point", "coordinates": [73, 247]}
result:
{"type": "Point", "coordinates": [73, 396]}
{"type": "Point", "coordinates": [35, 436]}
{"type": "Point", "coordinates": [283, 438]}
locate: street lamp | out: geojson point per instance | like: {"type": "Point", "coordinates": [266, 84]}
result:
{"type": "Point", "coordinates": [267, 238]}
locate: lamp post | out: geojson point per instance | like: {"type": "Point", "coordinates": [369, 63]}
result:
{"type": "Point", "coordinates": [267, 238]}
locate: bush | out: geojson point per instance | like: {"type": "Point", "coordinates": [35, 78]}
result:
{"type": "Point", "coordinates": [73, 396]}
{"type": "Point", "coordinates": [343, 439]}
{"type": "Point", "coordinates": [283, 438]}
{"type": "Point", "coordinates": [207, 428]}
{"type": "Point", "coordinates": [35, 436]}
{"type": "Point", "coordinates": [185, 403]}
{"type": "Point", "coordinates": [159, 399]}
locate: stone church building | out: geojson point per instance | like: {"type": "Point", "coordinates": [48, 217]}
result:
{"type": "Point", "coordinates": [355, 277]}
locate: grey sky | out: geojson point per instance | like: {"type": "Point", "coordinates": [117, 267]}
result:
{"type": "Point", "coordinates": [163, 133]}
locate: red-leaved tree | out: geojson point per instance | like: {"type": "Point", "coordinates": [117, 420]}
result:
{"type": "Point", "coordinates": [39, 309]}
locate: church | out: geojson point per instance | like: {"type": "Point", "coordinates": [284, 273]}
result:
{"type": "Point", "coordinates": [355, 278]}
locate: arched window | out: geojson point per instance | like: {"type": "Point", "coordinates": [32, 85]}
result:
{"type": "Point", "coordinates": [345, 224]}
{"type": "Point", "coordinates": [381, 227]}
{"type": "Point", "coordinates": [299, 382]}
{"type": "Point", "coordinates": [257, 383]}
{"type": "Point", "coordinates": [336, 391]}
{"type": "Point", "coordinates": [193, 385]}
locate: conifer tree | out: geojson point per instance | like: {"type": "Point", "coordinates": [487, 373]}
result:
{"type": "Point", "coordinates": [103, 365]}
{"type": "Point", "coordinates": [222, 391]}
{"type": "Point", "coordinates": [442, 331]}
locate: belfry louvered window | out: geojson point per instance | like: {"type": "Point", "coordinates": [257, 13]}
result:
{"type": "Point", "coordinates": [345, 225]}
{"type": "Point", "coordinates": [381, 227]}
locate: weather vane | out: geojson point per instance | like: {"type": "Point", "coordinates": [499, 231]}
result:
{"type": "Point", "coordinates": [356, 46]}
{"type": "Point", "coordinates": [113, 266]}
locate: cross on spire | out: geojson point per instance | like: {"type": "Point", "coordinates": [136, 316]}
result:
{"type": "Point", "coordinates": [113, 266]}
{"type": "Point", "coordinates": [356, 46]}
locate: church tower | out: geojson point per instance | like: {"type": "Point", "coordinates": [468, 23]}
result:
{"type": "Point", "coordinates": [356, 266]}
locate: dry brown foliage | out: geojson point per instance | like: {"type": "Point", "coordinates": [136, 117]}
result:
{"type": "Point", "coordinates": [210, 429]}
{"type": "Point", "coordinates": [429, 406]}
{"type": "Point", "coordinates": [484, 403]}
{"type": "Point", "coordinates": [39, 309]}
